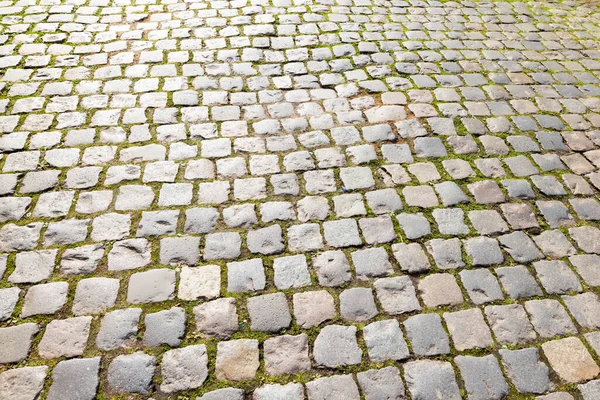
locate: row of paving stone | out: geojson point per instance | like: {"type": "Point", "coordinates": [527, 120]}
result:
{"type": "Point", "coordinates": [78, 378]}
{"type": "Point", "coordinates": [331, 268]}
{"type": "Point", "coordinates": [335, 346]}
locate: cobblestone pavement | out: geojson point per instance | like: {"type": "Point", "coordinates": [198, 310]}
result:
{"type": "Point", "coordinates": [289, 199]}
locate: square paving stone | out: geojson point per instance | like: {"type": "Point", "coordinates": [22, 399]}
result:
{"type": "Point", "coordinates": [119, 328]}
{"type": "Point", "coordinates": [588, 267]}
{"type": "Point", "coordinates": [440, 290]}
{"type": "Point", "coordinates": [47, 298]}
{"type": "Point", "coordinates": [200, 220]}
{"type": "Point", "coordinates": [468, 329]}
{"type": "Point", "coordinates": [217, 318]}
{"type": "Point", "coordinates": [75, 379]}
{"type": "Point", "coordinates": [151, 286]}
{"type": "Point", "coordinates": [554, 244]}
{"type": "Point", "coordinates": [165, 327]}
{"type": "Point", "coordinates": [525, 370]}
{"type": "Point", "coordinates": [519, 215]}
{"type": "Point", "coordinates": [349, 205]}
{"type": "Point", "coordinates": [65, 338]}
{"type": "Point", "coordinates": [199, 282]}
{"type": "Point", "coordinates": [518, 282]}
{"type": "Point", "coordinates": [312, 207]}
{"type": "Point", "coordinates": [17, 340]}
{"type": "Point", "coordinates": [483, 377]}
{"type": "Point", "coordinates": [180, 250]}
{"type": "Point", "coordinates": [33, 266]}
{"type": "Point", "coordinates": [447, 253]}
{"type": "Point", "coordinates": [450, 221]}
{"type": "Point", "coordinates": [585, 308]}
{"type": "Point", "coordinates": [510, 324]}
{"type": "Point", "coordinates": [427, 379]}
{"type": "Point", "coordinates": [266, 241]}
{"type": "Point", "coordinates": [94, 295]}
{"type": "Point", "coordinates": [486, 192]}
{"type": "Point", "coordinates": [587, 238]}
{"type": "Point", "coordinates": [111, 226]}
{"type": "Point", "coordinates": [548, 185]}
{"type": "Point", "coordinates": [377, 230]}
{"type": "Point", "coordinates": [397, 295]}
{"type": "Point", "coordinates": [183, 369]}
{"type": "Point", "coordinates": [570, 360]}
{"type": "Point", "coordinates": [225, 245]}
{"type": "Point", "coordinates": [385, 341]}
{"type": "Point", "coordinates": [248, 275]}
{"type": "Point", "coordinates": [269, 312]}
{"type": "Point", "coordinates": [131, 373]}
{"type": "Point", "coordinates": [342, 386]}
{"type": "Point", "coordinates": [341, 233]}
{"type": "Point", "coordinates": [333, 268]}
{"type": "Point", "coordinates": [487, 222]}
{"type": "Point", "coordinates": [420, 196]}
{"type": "Point", "coordinates": [384, 383]}
{"type": "Point", "coordinates": [586, 209]}
{"type": "Point", "coordinates": [555, 213]}
{"type": "Point", "coordinates": [22, 383]}
{"type": "Point", "coordinates": [383, 201]}
{"type": "Point", "coordinates": [129, 254]}
{"type": "Point", "coordinates": [414, 225]}
{"type": "Point", "coordinates": [291, 272]}
{"type": "Point", "coordinates": [304, 238]}
{"type": "Point", "coordinates": [81, 260]}
{"type": "Point", "coordinates": [313, 308]}
{"type": "Point", "coordinates": [286, 354]}
{"type": "Point", "coordinates": [518, 189]}
{"type": "Point", "coordinates": [373, 262]}
{"type": "Point", "coordinates": [411, 257]}
{"type": "Point", "coordinates": [556, 277]}
{"type": "Point", "coordinates": [481, 286]}
{"type": "Point", "coordinates": [336, 346]}
{"type": "Point", "coordinates": [237, 360]}
{"type": "Point", "coordinates": [240, 216]}
{"type": "Point", "coordinates": [427, 335]}
{"type": "Point", "coordinates": [549, 318]}
{"type": "Point", "coordinates": [483, 251]}
{"type": "Point", "coordinates": [357, 178]}
{"type": "Point", "coordinates": [357, 304]}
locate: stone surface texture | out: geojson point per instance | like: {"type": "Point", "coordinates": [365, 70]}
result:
{"type": "Point", "coordinates": [290, 199]}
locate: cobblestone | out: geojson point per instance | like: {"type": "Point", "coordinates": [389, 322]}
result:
{"type": "Point", "coordinates": [196, 194]}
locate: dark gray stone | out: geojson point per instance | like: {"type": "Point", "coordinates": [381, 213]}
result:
{"type": "Point", "coordinates": [357, 304]}
{"type": "Point", "coordinates": [518, 282]}
{"type": "Point", "coordinates": [549, 318]}
{"type": "Point", "coordinates": [131, 373]}
{"type": "Point", "coordinates": [481, 285]}
{"type": "Point", "coordinates": [427, 335]}
{"type": "Point", "coordinates": [427, 379]}
{"type": "Point", "coordinates": [75, 379]}
{"type": "Point", "coordinates": [118, 329]}
{"type": "Point", "coordinates": [525, 370]}
{"type": "Point", "coordinates": [269, 312]}
{"type": "Point", "coordinates": [165, 327]}
{"type": "Point", "coordinates": [483, 377]}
